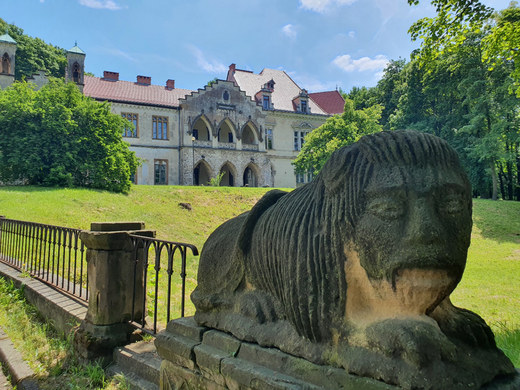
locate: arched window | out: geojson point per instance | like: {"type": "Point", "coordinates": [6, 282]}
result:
{"type": "Point", "coordinates": [6, 64]}
{"type": "Point", "coordinates": [76, 73]}
{"type": "Point", "coordinates": [226, 95]}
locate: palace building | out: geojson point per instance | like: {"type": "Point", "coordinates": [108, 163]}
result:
{"type": "Point", "coordinates": [246, 129]}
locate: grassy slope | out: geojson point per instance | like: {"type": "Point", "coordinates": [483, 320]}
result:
{"type": "Point", "coordinates": [489, 286]}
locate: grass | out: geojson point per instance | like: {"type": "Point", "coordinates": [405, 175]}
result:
{"type": "Point", "coordinates": [49, 355]}
{"type": "Point", "coordinates": [490, 285]}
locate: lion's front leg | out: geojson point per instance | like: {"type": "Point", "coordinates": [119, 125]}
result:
{"type": "Point", "coordinates": [463, 325]}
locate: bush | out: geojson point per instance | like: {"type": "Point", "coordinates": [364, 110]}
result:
{"type": "Point", "coordinates": [56, 136]}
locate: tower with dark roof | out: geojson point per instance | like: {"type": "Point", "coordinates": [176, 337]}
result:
{"type": "Point", "coordinates": [7, 58]}
{"type": "Point", "coordinates": [75, 71]}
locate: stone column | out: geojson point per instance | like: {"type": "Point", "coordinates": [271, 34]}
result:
{"type": "Point", "coordinates": [110, 266]}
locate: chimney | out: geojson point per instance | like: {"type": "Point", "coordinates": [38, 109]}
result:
{"type": "Point", "coordinates": [170, 84]}
{"type": "Point", "coordinates": [231, 73]}
{"type": "Point", "coordinates": [110, 76]}
{"type": "Point", "coordinates": [144, 80]}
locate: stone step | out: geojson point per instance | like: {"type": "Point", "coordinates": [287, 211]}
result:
{"type": "Point", "coordinates": [139, 363]}
{"type": "Point", "coordinates": [134, 381]}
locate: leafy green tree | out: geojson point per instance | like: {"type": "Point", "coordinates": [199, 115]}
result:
{"type": "Point", "coordinates": [456, 19]}
{"type": "Point", "coordinates": [502, 44]}
{"type": "Point", "coordinates": [56, 136]}
{"type": "Point", "coordinates": [33, 54]}
{"type": "Point", "coordinates": [336, 132]}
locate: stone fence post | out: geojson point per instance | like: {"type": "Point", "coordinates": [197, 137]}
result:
{"type": "Point", "coordinates": [110, 268]}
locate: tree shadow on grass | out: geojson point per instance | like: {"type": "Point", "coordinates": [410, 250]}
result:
{"type": "Point", "coordinates": [497, 220]}
{"type": "Point", "coordinates": [23, 188]}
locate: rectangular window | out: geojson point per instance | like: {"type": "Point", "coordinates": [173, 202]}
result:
{"type": "Point", "coordinates": [302, 178]}
{"type": "Point", "coordinates": [268, 139]}
{"type": "Point", "coordinates": [230, 137]}
{"type": "Point", "coordinates": [128, 131]}
{"type": "Point", "coordinates": [133, 177]}
{"type": "Point", "coordinates": [159, 127]}
{"type": "Point", "coordinates": [160, 172]}
{"type": "Point", "coordinates": [299, 139]}
{"type": "Point", "coordinates": [266, 102]}
{"type": "Point", "coordinates": [303, 104]}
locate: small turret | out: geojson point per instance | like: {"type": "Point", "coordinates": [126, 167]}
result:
{"type": "Point", "coordinates": [75, 71]}
{"type": "Point", "coordinates": [7, 58]}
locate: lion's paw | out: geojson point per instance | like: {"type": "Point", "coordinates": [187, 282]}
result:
{"type": "Point", "coordinates": [417, 342]}
{"type": "Point", "coordinates": [464, 325]}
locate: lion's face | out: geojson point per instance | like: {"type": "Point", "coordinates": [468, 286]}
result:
{"type": "Point", "coordinates": [416, 222]}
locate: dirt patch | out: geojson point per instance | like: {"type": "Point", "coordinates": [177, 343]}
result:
{"type": "Point", "coordinates": [515, 255]}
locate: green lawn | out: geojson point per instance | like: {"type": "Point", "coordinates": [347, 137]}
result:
{"type": "Point", "coordinates": [490, 285]}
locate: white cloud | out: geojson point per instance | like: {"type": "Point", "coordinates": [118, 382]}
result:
{"type": "Point", "coordinates": [210, 66]}
{"type": "Point", "coordinates": [289, 30]}
{"type": "Point", "coordinates": [101, 4]}
{"type": "Point", "coordinates": [310, 83]}
{"type": "Point", "coordinates": [323, 5]}
{"type": "Point", "coordinates": [346, 63]}
{"type": "Point", "coordinates": [352, 34]}
{"type": "Point", "coordinates": [119, 53]}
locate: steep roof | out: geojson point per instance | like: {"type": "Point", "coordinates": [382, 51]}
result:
{"type": "Point", "coordinates": [131, 92]}
{"type": "Point", "coordinates": [285, 89]}
{"type": "Point", "coordinates": [331, 101]}
{"type": "Point", "coordinates": [7, 38]}
{"type": "Point", "coordinates": [76, 50]}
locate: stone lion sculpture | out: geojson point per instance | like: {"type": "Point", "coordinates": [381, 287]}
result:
{"type": "Point", "coordinates": [356, 268]}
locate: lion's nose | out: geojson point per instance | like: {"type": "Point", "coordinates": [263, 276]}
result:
{"type": "Point", "coordinates": [423, 226]}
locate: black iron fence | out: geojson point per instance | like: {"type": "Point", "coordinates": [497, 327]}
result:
{"type": "Point", "coordinates": [57, 256]}
{"type": "Point", "coordinates": [53, 254]}
{"type": "Point", "coordinates": [156, 262]}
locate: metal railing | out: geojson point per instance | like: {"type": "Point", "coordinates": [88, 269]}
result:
{"type": "Point", "coordinates": [154, 267]}
{"type": "Point", "coordinates": [52, 254]}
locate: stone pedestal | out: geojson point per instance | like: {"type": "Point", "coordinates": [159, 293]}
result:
{"type": "Point", "coordinates": [196, 357]}
{"type": "Point", "coordinates": [111, 265]}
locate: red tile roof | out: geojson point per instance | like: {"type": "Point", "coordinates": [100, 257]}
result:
{"type": "Point", "coordinates": [131, 92]}
{"type": "Point", "coordinates": [331, 101]}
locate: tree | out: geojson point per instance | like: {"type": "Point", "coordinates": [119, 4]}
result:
{"type": "Point", "coordinates": [56, 136]}
{"type": "Point", "coordinates": [33, 54]}
{"type": "Point", "coordinates": [502, 45]}
{"type": "Point", "coordinates": [336, 132]}
{"type": "Point", "coordinates": [456, 19]}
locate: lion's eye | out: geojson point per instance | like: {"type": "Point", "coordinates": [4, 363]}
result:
{"type": "Point", "coordinates": [387, 209]}
{"type": "Point", "coordinates": [453, 204]}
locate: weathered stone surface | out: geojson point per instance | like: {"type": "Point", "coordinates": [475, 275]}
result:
{"type": "Point", "coordinates": [255, 376]}
{"type": "Point", "coordinates": [222, 341]}
{"type": "Point", "coordinates": [176, 348]}
{"type": "Point", "coordinates": [115, 226]}
{"type": "Point", "coordinates": [241, 365]}
{"type": "Point", "coordinates": [186, 327]}
{"type": "Point", "coordinates": [98, 342]}
{"type": "Point", "coordinates": [208, 361]}
{"type": "Point", "coordinates": [355, 269]}
{"type": "Point", "coordinates": [174, 377]}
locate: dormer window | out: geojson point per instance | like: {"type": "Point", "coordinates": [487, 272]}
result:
{"type": "Point", "coordinates": [270, 84]}
{"type": "Point", "coordinates": [301, 102]}
{"type": "Point", "coordinates": [266, 102]}
{"type": "Point", "coordinates": [303, 106]}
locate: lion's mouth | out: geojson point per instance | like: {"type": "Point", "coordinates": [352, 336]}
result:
{"type": "Point", "coordinates": [423, 288]}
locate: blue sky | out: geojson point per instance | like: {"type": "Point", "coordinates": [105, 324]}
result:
{"type": "Point", "coordinates": [321, 44]}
